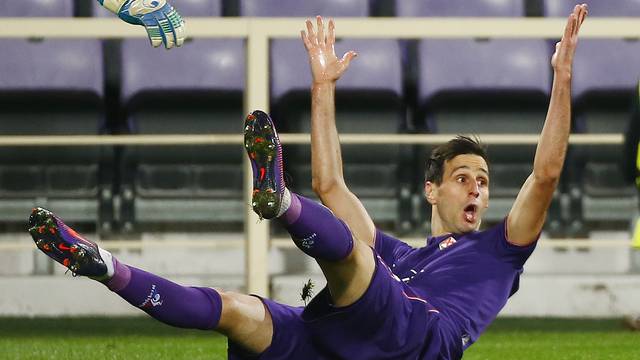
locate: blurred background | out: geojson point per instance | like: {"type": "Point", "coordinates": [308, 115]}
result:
{"type": "Point", "coordinates": [179, 211]}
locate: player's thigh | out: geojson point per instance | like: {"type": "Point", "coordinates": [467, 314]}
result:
{"type": "Point", "coordinates": [246, 321]}
{"type": "Point", "coordinates": [386, 322]}
{"type": "Point", "coordinates": [289, 336]}
{"type": "Point", "coordinates": [349, 278]}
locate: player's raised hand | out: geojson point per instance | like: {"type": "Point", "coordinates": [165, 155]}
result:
{"type": "Point", "coordinates": [562, 59]}
{"type": "Point", "coordinates": [325, 66]}
{"type": "Point", "coordinates": [163, 23]}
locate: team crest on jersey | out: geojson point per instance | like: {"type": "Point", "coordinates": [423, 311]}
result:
{"type": "Point", "coordinates": [446, 243]}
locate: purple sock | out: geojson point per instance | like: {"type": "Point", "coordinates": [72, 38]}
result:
{"type": "Point", "coordinates": [316, 231]}
{"type": "Point", "coordinates": [173, 304]}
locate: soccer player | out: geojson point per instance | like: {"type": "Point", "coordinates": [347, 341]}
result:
{"type": "Point", "coordinates": [163, 23]}
{"type": "Point", "coordinates": [384, 299]}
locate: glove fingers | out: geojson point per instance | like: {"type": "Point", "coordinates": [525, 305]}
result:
{"type": "Point", "coordinates": [169, 34]}
{"type": "Point", "coordinates": [180, 34]}
{"type": "Point", "coordinates": [155, 35]}
{"type": "Point", "coordinates": [164, 26]}
{"type": "Point", "coordinates": [177, 24]}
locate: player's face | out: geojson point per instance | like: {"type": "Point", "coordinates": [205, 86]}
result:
{"type": "Point", "coordinates": [463, 196]}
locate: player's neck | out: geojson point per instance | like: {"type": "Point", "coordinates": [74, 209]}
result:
{"type": "Point", "coordinates": [438, 228]}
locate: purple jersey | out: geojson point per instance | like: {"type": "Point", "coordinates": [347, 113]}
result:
{"type": "Point", "coordinates": [467, 277]}
{"type": "Point", "coordinates": [388, 322]}
{"type": "Point", "coordinates": [427, 303]}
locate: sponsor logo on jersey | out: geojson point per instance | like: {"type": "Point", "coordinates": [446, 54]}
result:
{"type": "Point", "coordinates": [446, 243]}
{"type": "Point", "coordinates": [153, 299]}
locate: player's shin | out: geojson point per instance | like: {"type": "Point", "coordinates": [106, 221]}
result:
{"type": "Point", "coordinates": [166, 301]}
{"type": "Point", "coordinates": [173, 304]}
{"type": "Point", "coordinates": [316, 231]}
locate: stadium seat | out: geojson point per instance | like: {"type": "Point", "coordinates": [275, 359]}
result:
{"type": "Point", "coordinates": [614, 8]}
{"type": "Point", "coordinates": [53, 87]}
{"type": "Point", "coordinates": [442, 8]}
{"type": "Point", "coordinates": [605, 73]}
{"type": "Point", "coordinates": [369, 100]}
{"type": "Point", "coordinates": [196, 89]}
{"type": "Point", "coordinates": [36, 8]}
{"type": "Point", "coordinates": [498, 8]}
{"type": "Point", "coordinates": [287, 8]}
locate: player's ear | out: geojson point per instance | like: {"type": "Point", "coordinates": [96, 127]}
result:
{"type": "Point", "coordinates": [430, 192]}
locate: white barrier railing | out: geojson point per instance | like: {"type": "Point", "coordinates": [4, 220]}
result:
{"type": "Point", "coordinates": [258, 32]}
{"type": "Point", "coordinates": [352, 139]}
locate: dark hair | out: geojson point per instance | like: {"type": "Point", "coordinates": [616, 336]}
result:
{"type": "Point", "coordinates": [454, 147]}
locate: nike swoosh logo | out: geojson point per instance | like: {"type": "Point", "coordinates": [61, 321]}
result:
{"type": "Point", "coordinates": [62, 246]}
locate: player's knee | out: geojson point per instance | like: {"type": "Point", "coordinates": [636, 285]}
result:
{"type": "Point", "coordinates": [245, 321]}
{"type": "Point", "coordinates": [240, 309]}
{"type": "Point", "coordinates": [229, 310]}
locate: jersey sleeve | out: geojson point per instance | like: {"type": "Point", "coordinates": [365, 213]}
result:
{"type": "Point", "coordinates": [507, 251]}
{"type": "Point", "coordinates": [389, 248]}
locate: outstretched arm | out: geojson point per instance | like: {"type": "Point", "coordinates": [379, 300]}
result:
{"type": "Point", "coordinates": [163, 23]}
{"type": "Point", "coordinates": [529, 211]}
{"type": "Point", "coordinates": [326, 159]}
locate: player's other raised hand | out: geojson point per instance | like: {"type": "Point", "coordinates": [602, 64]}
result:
{"type": "Point", "coordinates": [562, 59]}
{"type": "Point", "coordinates": [325, 66]}
{"type": "Point", "coordinates": [163, 23]}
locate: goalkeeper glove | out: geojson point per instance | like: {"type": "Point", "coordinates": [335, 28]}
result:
{"type": "Point", "coordinates": [163, 23]}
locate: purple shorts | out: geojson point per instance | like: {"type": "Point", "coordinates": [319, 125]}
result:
{"type": "Point", "coordinates": [387, 322]}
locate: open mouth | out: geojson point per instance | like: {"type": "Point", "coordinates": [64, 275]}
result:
{"type": "Point", "coordinates": [470, 213]}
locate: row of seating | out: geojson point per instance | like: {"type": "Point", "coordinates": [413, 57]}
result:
{"type": "Point", "coordinates": [357, 8]}
{"type": "Point", "coordinates": [449, 86]}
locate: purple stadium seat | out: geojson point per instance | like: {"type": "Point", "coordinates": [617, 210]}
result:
{"type": "Point", "coordinates": [69, 65]}
{"type": "Point", "coordinates": [199, 65]}
{"type": "Point", "coordinates": [603, 65]}
{"type": "Point", "coordinates": [417, 8]}
{"type": "Point", "coordinates": [190, 8]}
{"type": "Point", "coordinates": [51, 65]}
{"type": "Point", "coordinates": [562, 8]}
{"type": "Point", "coordinates": [36, 8]}
{"type": "Point", "coordinates": [284, 8]}
{"type": "Point", "coordinates": [290, 67]}
{"type": "Point", "coordinates": [450, 66]}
